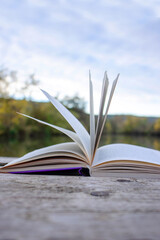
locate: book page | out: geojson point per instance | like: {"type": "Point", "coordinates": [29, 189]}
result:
{"type": "Point", "coordinates": [67, 132]}
{"type": "Point", "coordinates": [48, 161]}
{"type": "Point", "coordinates": [73, 121]}
{"type": "Point", "coordinates": [62, 148]}
{"type": "Point", "coordinates": [102, 122]}
{"type": "Point", "coordinates": [101, 108]}
{"type": "Point", "coordinates": [92, 117]}
{"type": "Point", "coordinates": [126, 152]}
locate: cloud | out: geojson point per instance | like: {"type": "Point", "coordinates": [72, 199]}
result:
{"type": "Point", "coordinates": [61, 41]}
{"type": "Point", "coordinates": [153, 5]}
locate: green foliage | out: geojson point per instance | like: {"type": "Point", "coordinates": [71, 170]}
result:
{"type": "Point", "coordinates": [157, 126]}
{"type": "Point", "coordinates": [137, 125]}
{"type": "Point", "coordinates": [13, 124]}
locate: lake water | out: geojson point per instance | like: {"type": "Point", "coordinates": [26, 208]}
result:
{"type": "Point", "coordinates": [17, 148]}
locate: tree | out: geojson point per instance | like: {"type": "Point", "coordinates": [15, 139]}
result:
{"type": "Point", "coordinates": [74, 102]}
{"type": "Point", "coordinates": [156, 126]}
{"type": "Point", "coordinates": [77, 106]}
{"type": "Point", "coordinates": [136, 125]}
{"type": "Point", "coordinates": [11, 86]}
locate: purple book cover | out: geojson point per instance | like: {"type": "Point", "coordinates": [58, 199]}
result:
{"type": "Point", "coordinates": [61, 171]}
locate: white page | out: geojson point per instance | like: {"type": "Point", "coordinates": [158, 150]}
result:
{"type": "Point", "coordinates": [49, 161]}
{"type": "Point", "coordinates": [126, 152]}
{"type": "Point", "coordinates": [45, 167]}
{"type": "Point", "coordinates": [102, 103]}
{"type": "Point", "coordinates": [92, 117]}
{"type": "Point", "coordinates": [98, 137]}
{"type": "Point", "coordinates": [111, 95]}
{"type": "Point", "coordinates": [69, 133]}
{"type": "Point", "coordinates": [73, 121]}
{"type": "Point", "coordinates": [62, 147]}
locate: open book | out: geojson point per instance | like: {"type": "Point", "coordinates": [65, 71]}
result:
{"type": "Point", "coordinates": [82, 155]}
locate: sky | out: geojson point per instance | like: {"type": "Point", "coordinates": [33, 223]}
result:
{"type": "Point", "coordinates": [60, 40]}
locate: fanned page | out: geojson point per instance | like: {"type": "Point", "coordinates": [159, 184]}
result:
{"type": "Point", "coordinates": [73, 121]}
{"type": "Point", "coordinates": [108, 104]}
{"type": "Point", "coordinates": [92, 117]}
{"type": "Point", "coordinates": [125, 152]}
{"type": "Point", "coordinates": [69, 133]}
{"type": "Point", "coordinates": [102, 119]}
{"type": "Point", "coordinates": [101, 108]}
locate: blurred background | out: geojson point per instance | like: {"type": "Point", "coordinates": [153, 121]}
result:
{"type": "Point", "coordinates": [53, 44]}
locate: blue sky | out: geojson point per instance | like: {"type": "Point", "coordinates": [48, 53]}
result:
{"type": "Point", "coordinates": [60, 40]}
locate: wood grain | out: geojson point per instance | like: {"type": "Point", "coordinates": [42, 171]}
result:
{"type": "Point", "coordinates": [67, 208]}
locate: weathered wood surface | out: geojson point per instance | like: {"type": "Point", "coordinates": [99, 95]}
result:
{"type": "Point", "coordinates": [69, 208]}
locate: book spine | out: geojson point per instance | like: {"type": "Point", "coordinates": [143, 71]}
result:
{"type": "Point", "coordinates": [85, 172]}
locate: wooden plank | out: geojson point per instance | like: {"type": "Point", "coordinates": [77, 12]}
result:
{"type": "Point", "coordinates": [63, 207]}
